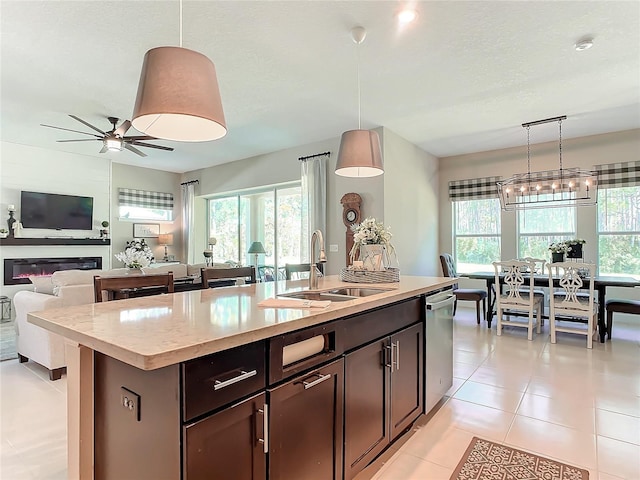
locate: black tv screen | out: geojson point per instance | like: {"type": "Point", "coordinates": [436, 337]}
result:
{"type": "Point", "coordinates": [59, 212]}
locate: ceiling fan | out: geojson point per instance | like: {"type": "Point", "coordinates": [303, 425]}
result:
{"type": "Point", "coordinates": [115, 138]}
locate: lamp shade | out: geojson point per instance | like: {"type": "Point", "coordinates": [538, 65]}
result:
{"type": "Point", "coordinates": [360, 154]}
{"type": "Point", "coordinates": [257, 247]}
{"type": "Point", "coordinates": [165, 239]}
{"type": "Point", "coordinates": [178, 97]}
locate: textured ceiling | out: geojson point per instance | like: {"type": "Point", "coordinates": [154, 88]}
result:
{"type": "Point", "coordinates": [461, 79]}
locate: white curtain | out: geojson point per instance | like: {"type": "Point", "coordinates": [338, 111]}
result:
{"type": "Point", "coordinates": [314, 200]}
{"type": "Point", "coordinates": [189, 241]}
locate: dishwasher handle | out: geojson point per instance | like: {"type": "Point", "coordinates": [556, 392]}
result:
{"type": "Point", "coordinates": [441, 304]}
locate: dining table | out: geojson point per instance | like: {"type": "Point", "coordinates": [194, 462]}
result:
{"type": "Point", "coordinates": [600, 284]}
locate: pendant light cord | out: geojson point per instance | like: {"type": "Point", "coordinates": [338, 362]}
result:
{"type": "Point", "coordinates": [528, 150]}
{"type": "Point", "coordinates": [560, 136]}
{"type": "Point", "coordinates": [358, 79]}
{"type": "Point", "coordinates": [180, 23]}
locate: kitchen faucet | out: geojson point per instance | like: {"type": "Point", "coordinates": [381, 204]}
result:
{"type": "Point", "coordinates": [322, 258]}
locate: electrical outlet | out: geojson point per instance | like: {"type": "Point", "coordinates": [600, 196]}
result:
{"type": "Point", "coordinates": [333, 248]}
{"type": "Point", "coordinates": [131, 402]}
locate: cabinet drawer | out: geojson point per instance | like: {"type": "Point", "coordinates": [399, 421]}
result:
{"type": "Point", "coordinates": [364, 328]}
{"type": "Point", "coordinates": [221, 378]}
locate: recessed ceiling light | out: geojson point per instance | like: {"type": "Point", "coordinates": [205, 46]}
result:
{"type": "Point", "coordinates": [407, 15]}
{"type": "Point", "coordinates": [585, 44]}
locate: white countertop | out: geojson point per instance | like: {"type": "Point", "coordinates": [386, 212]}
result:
{"type": "Point", "coordinates": [156, 331]}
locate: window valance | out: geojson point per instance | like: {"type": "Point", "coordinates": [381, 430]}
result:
{"type": "Point", "coordinates": [473, 188]}
{"type": "Point", "coordinates": [624, 174]}
{"type": "Point", "coordinates": [128, 197]}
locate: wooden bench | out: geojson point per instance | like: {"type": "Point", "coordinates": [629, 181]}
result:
{"type": "Point", "coordinates": [622, 306]}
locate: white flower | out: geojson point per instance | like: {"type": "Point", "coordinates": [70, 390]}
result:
{"type": "Point", "coordinates": [370, 232]}
{"type": "Point", "coordinates": [137, 254]}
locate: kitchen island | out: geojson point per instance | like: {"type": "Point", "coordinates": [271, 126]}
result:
{"type": "Point", "coordinates": [140, 394]}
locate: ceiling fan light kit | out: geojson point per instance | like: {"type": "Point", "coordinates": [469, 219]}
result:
{"type": "Point", "coordinates": [178, 97]}
{"type": "Point", "coordinates": [360, 154]}
{"type": "Point", "coordinates": [565, 187]}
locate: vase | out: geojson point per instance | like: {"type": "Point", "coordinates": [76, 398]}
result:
{"type": "Point", "coordinates": [557, 257]}
{"type": "Point", "coordinates": [371, 256]}
{"type": "Point", "coordinates": [575, 252]}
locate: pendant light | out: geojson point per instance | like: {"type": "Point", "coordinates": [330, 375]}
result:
{"type": "Point", "coordinates": [360, 154]}
{"type": "Point", "coordinates": [178, 96]}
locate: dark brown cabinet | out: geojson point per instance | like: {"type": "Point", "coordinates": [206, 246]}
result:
{"type": "Point", "coordinates": [305, 426]}
{"type": "Point", "coordinates": [228, 444]}
{"type": "Point", "coordinates": [383, 395]}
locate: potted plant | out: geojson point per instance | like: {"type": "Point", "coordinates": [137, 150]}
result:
{"type": "Point", "coordinates": [104, 231]}
{"type": "Point", "coordinates": [558, 250]}
{"type": "Point", "coordinates": [4, 233]}
{"type": "Point", "coordinates": [136, 254]}
{"type": "Point", "coordinates": [371, 240]}
{"type": "Point", "coordinates": [575, 247]}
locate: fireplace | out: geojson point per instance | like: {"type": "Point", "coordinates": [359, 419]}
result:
{"type": "Point", "coordinates": [18, 270]}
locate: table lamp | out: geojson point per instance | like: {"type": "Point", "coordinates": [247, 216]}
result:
{"type": "Point", "coordinates": [257, 248]}
{"type": "Point", "coordinates": [165, 239]}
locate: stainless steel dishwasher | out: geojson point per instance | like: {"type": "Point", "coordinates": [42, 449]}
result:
{"type": "Point", "coordinates": [438, 355]}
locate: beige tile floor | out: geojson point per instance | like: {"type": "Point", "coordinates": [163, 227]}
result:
{"type": "Point", "coordinates": [562, 401]}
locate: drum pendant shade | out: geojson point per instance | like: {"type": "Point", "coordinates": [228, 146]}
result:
{"type": "Point", "coordinates": [360, 154]}
{"type": "Point", "coordinates": [178, 97]}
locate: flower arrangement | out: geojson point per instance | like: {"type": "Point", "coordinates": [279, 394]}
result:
{"type": "Point", "coordinates": [559, 247]}
{"type": "Point", "coordinates": [575, 241]}
{"type": "Point", "coordinates": [370, 232]}
{"type": "Point", "coordinates": [137, 254]}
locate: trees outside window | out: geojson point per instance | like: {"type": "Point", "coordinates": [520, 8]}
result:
{"type": "Point", "coordinates": [476, 234]}
{"type": "Point", "coordinates": [619, 231]}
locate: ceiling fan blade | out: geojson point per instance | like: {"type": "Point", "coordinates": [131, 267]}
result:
{"type": "Point", "coordinates": [148, 145]}
{"type": "Point", "coordinates": [122, 129]}
{"type": "Point", "coordinates": [138, 137]}
{"type": "Point", "coordinates": [104, 149]}
{"type": "Point", "coordinates": [134, 150]}
{"type": "Point", "coordinates": [87, 124]}
{"type": "Point", "coordinates": [69, 130]}
{"type": "Point", "coordinates": [80, 140]}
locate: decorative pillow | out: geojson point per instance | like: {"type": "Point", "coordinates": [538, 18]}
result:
{"type": "Point", "coordinates": [42, 284]}
{"type": "Point", "coordinates": [63, 278]}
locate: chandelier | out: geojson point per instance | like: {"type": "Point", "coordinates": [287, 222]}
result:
{"type": "Point", "coordinates": [565, 187]}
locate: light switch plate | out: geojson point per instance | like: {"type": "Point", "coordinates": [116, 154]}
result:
{"type": "Point", "coordinates": [333, 248]}
{"type": "Point", "coordinates": [131, 402]}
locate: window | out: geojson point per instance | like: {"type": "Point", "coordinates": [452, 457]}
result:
{"type": "Point", "coordinates": [476, 225]}
{"type": "Point", "coordinates": [271, 215]}
{"type": "Point", "coordinates": [537, 229]}
{"type": "Point", "coordinates": [619, 231]}
{"type": "Point", "coordinates": [144, 205]}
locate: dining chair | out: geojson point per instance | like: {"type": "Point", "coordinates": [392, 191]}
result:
{"type": "Point", "coordinates": [632, 307]}
{"type": "Point", "coordinates": [540, 267]}
{"type": "Point", "coordinates": [518, 297]}
{"type": "Point", "coordinates": [571, 277]}
{"type": "Point", "coordinates": [209, 274]}
{"type": "Point", "coordinates": [297, 268]}
{"type": "Point", "coordinates": [465, 294]}
{"type": "Point", "coordinates": [125, 286]}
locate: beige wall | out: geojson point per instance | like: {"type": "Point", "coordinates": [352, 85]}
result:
{"type": "Point", "coordinates": [127, 176]}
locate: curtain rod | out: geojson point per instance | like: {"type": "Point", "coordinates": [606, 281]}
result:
{"type": "Point", "coordinates": [302, 159]}
{"type": "Point", "coordinates": [190, 182]}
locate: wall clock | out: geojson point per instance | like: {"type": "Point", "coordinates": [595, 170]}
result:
{"type": "Point", "coordinates": [350, 215]}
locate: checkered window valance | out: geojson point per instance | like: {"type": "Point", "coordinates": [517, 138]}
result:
{"type": "Point", "coordinates": [473, 188]}
{"type": "Point", "coordinates": [128, 197]}
{"type": "Point", "coordinates": [625, 174]}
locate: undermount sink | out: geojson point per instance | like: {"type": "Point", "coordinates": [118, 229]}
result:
{"type": "Point", "coordinates": [337, 295]}
{"type": "Point", "coordinates": [358, 291]}
{"type": "Point", "coordinates": [306, 295]}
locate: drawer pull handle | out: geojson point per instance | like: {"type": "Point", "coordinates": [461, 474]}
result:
{"type": "Point", "coordinates": [321, 378]}
{"type": "Point", "coordinates": [243, 376]}
{"type": "Point", "coordinates": [265, 428]}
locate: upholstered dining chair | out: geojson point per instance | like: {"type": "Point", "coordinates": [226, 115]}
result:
{"type": "Point", "coordinates": [465, 294]}
{"type": "Point", "coordinates": [569, 306]}
{"type": "Point", "coordinates": [518, 297]}
{"type": "Point", "coordinates": [131, 285]}
{"type": "Point", "coordinates": [209, 274]}
{"type": "Point", "coordinates": [292, 268]}
{"type": "Point", "coordinates": [631, 307]}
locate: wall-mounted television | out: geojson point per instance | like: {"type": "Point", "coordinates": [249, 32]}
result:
{"type": "Point", "coordinates": [53, 211]}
